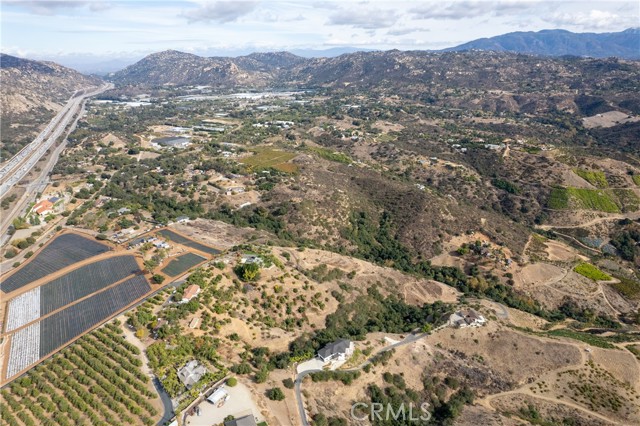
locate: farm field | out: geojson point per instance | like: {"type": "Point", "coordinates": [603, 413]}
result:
{"type": "Point", "coordinates": [270, 158]}
{"type": "Point", "coordinates": [581, 198]}
{"type": "Point", "coordinates": [99, 381]}
{"type": "Point", "coordinates": [181, 264]}
{"type": "Point", "coordinates": [179, 239]}
{"type": "Point", "coordinates": [62, 251]}
{"type": "Point", "coordinates": [595, 178]}
{"type": "Point", "coordinates": [68, 288]}
{"type": "Point", "coordinates": [592, 272]}
{"type": "Point", "coordinates": [31, 343]}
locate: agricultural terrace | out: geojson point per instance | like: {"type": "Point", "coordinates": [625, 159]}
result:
{"type": "Point", "coordinates": [30, 344]}
{"type": "Point", "coordinates": [98, 381]}
{"type": "Point", "coordinates": [592, 272]}
{"type": "Point", "coordinates": [266, 158]}
{"type": "Point", "coordinates": [64, 250]}
{"type": "Point", "coordinates": [581, 198]}
{"type": "Point", "coordinates": [68, 288]}
{"type": "Point", "coordinates": [187, 242]}
{"type": "Point", "coordinates": [182, 264]}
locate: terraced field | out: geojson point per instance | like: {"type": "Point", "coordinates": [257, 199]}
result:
{"type": "Point", "coordinates": [581, 198]}
{"type": "Point", "coordinates": [68, 288]}
{"type": "Point", "coordinates": [31, 343]}
{"type": "Point", "coordinates": [61, 252]}
{"type": "Point", "coordinates": [182, 264]}
{"type": "Point", "coordinates": [179, 239]}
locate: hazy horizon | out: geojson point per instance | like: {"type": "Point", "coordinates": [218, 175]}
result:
{"type": "Point", "coordinates": [98, 33]}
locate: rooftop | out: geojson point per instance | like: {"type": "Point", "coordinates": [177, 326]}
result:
{"type": "Point", "coordinates": [339, 346]}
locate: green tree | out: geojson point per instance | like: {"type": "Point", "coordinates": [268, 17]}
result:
{"type": "Point", "coordinates": [275, 394]}
{"type": "Point", "coordinates": [248, 271]}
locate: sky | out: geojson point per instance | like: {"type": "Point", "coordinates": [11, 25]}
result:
{"type": "Point", "coordinates": [94, 31]}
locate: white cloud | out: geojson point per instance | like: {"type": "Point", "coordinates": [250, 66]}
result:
{"type": "Point", "coordinates": [405, 31]}
{"type": "Point", "coordinates": [54, 7]}
{"type": "Point", "coordinates": [220, 11]}
{"type": "Point", "coordinates": [594, 19]}
{"type": "Point", "coordinates": [368, 19]}
{"type": "Point", "coordinates": [472, 9]}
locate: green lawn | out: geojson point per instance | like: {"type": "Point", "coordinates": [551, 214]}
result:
{"type": "Point", "coordinates": [592, 272]}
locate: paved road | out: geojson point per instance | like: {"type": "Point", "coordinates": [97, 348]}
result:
{"type": "Point", "coordinates": [300, 377]}
{"type": "Point", "coordinates": [32, 153]}
{"type": "Point", "coordinates": [21, 164]}
{"type": "Point", "coordinates": [166, 401]}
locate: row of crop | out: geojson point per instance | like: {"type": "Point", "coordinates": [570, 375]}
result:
{"type": "Point", "coordinates": [115, 333]}
{"type": "Point", "coordinates": [117, 388]}
{"type": "Point", "coordinates": [131, 365]}
{"type": "Point", "coordinates": [85, 385]}
{"type": "Point", "coordinates": [63, 251]}
{"type": "Point", "coordinates": [113, 370]}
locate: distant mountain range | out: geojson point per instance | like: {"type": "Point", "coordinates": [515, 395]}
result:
{"type": "Point", "coordinates": [624, 44]}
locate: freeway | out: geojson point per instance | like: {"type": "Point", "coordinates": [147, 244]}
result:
{"type": "Point", "coordinates": [14, 170]}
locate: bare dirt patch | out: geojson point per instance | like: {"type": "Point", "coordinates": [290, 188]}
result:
{"type": "Point", "coordinates": [559, 251]}
{"type": "Point", "coordinates": [608, 119]}
{"type": "Point", "coordinates": [217, 234]}
{"type": "Point", "coordinates": [537, 274]}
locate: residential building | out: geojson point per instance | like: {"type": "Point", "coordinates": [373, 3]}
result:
{"type": "Point", "coordinates": [43, 208]}
{"type": "Point", "coordinates": [182, 219]}
{"type": "Point", "coordinates": [192, 291]}
{"type": "Point", "coordinates": [173, 142]}
{"type": "Point", "coordinates": [467, 318]}
{"type": "Point", "coordinates": [242, 421]}
{"type": "Point", "coordinates": [251, 258]}
{"type": "Point", "coordinates": [340, 350]}
{"type": "Point", "coordinates": [219, 395]}
{"type": "Point", "coordinates": [191, 373]}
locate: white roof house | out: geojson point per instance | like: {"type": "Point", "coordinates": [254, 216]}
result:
{"type": "Point", "coordinates": [218, 395]}
{"type": "Point", "coordinates": [339, 350]}
{"type": "Point", "coordinates": [467, 318]}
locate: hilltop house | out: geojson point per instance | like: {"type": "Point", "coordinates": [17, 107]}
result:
{"type": "Point", "coordinates": [339, 350]}
{"type": "Point", "coordinates": [191, 292]}
{"type": "Point", "coordinates": [191, 373]}
{"type": "Point", "coordinates": [467, 318]}
{"type": "Point", "coordinates": [251, 258]}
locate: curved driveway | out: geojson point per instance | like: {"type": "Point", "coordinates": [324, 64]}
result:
{"type": "Point", "coordinates": [300, 377]}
